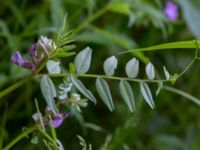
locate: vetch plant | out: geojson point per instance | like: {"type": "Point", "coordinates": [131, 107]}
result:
{"type": "Point", "coordinates": [73, 93]}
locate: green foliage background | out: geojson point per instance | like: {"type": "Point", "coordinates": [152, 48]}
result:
{"type": "Point", "coordinates": [173, 124]}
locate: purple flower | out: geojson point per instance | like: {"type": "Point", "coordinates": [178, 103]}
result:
{"type": "Point", "coordinates": [46, 44]}
{"type": "Point", "coordinates": [33, 53]}
{"type": "Point", "coordinates": [17, 59]}
{"type": "Point", "coordinates": [171, 11]}
{"type": "Point", "coordinates": [36, 52]}
{"type": "Point", "coordinates": [58, 119]}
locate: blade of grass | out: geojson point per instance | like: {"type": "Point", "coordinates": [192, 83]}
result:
{"type": "Point", "coordinates": [3, 125]}
{"type": "Point", "coordinates": [173, 45]}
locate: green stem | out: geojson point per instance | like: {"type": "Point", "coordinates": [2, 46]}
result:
{"type": "Point", "coordinates": [104, 76]}
{"type": "Point", "coordinates": [42, 65]}
{"type": "Point", "coordinates": [19, 137]}
{"type": "Point", "coordinates": [40, 116]}
{"type": "Point", "coordinates": [187, 67]}
{"type": "Point", "coordinates": [16, 85]}
{"type": "Point", "coordinates": [3, 125]}
{"type": "Point", "coordinates": [48, 137]}
{"type": "Point", "coordinates": [182, 93]}
{"type": "Point", "coordinates": [52, 129]}
{"type": "Point", "coordinates": [22, 81]}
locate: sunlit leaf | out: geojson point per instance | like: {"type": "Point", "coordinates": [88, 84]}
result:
{"type": "Point", "coordinates": [150, 71]}
{"type": "Point", "coordinates": [110, 65]}
{"type": "Point", "coordinates": [83, 60]}
{"type": "Point", "coordinates": [174, 45]}
{"type": "Point", "coordinates": [120, 7]}
{"type": "Point", "coordinates": [64, 54]}
{"type": "Point", "coordinates": [146, 93]}
{"type": "Point", "coordinates": [127, 94]}
{"type": "Point", "coordinates": [104, 92]}
{"type": "Point", "coordinates": [49, 92]}
{"type": "Point", "coordinates": [71, 68]}
{"type": "Point", "coordinates": [132, 68]}
{"type": "Point", "coordinates": [79, 85]}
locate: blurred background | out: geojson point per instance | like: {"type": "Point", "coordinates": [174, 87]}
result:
{"type": "Point", "coordinates": [174, 124]}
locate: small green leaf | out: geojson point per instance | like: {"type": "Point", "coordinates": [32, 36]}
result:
{"type": "Point", "coordinates": [79, 85]}
{"type": "Point", "coordinates": [167, 75]}
{"type": "Point", "coordinates": [64, 54]}
{"type": "Point", "coordinates": [53, 67]}
{"type": "Point", "coordinates": [174, 45]}
{"type": "Point", "coordinates": [160, 86]}
{"type": "Point", "coordinates": [132, 68]}
{"type": "Point", "coordinates": [71, 68]}
{"type": "Point", "coordinates": [127, 94]}
{"type": "Point", "coordinates": [82, 142]}
{"type": "Point", "coordinates": [83, 60]}
{"type": "Point", "coordinates": [34, 139]}
{"type": "Point", "coordinates": [110, 65]}
{"type": "Point", "coordinates": [146, 93]}
{"type": "Point", "coordinates": [174, 78]}
{"type": "Point", "coordinates": [150, 71]}
{"type": "Point", "coordinates": [104, 92]}
{"type": "Point", "coordinates": [120, 7]}
{"type": "Point", "coordinates": [49, 92]}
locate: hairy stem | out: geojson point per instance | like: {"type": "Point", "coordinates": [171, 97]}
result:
{"type": "Point", "coordinates": [104, 76]}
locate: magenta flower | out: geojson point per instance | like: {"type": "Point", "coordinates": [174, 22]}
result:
{"type": "Point", "coordinates": [57, 119]}
{"type": "Point", "coordinates": [33, 53]}
{"type": "Point", "coordinates": [17, 59]}
{"type": "Point", "coordinates": [171, 11]}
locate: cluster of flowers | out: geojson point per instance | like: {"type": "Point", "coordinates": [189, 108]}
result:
{"type": "Point", "coordinates": [36, 52]}
{"type": "Point", "coordinates": [57, 119]}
